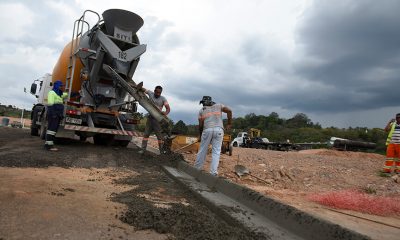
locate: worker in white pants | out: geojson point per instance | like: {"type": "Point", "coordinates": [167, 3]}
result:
{"type": "Point", "coordinates": [211, 131]}
{"type": "Point", "coordinates": [214, 136]}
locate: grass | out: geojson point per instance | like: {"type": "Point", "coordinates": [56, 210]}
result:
{"type": "Point", "coordinates": [369, 190]}
{"type": "Point", "coordinates": [383, 174]}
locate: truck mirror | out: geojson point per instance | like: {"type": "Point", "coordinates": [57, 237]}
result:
{"type": "Point", "coordinates": [33, 88]}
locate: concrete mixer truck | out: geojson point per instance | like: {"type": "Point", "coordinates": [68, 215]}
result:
{"type": "Point", "coordinates": [96, 68]}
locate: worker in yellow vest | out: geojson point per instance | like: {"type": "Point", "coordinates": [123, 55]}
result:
{"type": "Point", "coordinates": [393, 146]}
{"type": "Point", "coordinates": [55, 113]}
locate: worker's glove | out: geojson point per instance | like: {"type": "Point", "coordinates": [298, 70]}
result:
{"type": "Point", "coordinates": [139, 87]}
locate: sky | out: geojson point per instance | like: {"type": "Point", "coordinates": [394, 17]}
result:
{"type": "Point", "coordinates": [336, 61]}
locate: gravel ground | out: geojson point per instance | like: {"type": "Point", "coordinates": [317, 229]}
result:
{"type": "Point", "coordinates": [307, 171]}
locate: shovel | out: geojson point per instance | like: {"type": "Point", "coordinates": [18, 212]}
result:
{"type": "Point", "coordinates": [241, 170]}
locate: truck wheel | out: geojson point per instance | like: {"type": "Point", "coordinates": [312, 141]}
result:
{"type": "Point", "coordinates": [123, 143]}
{"type": "Point", "coordinates": [103, 139]}
{"type": "Point", "coordinates": [43, 126]}
{"type": "Point", "coordinates": [34, 126]}
{"type": "Point", "coordinates": [235, 144]}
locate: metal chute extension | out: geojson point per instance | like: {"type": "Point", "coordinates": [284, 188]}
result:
{"type": "Point", "coordinates": [146, 103]}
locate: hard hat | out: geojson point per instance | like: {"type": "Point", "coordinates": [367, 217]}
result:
{"type": "Point", "coordinates": [205, 99]}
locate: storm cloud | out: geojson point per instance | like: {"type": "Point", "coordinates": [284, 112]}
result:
{"type": "Point", "coordinates": [351, 51]}
{"type": "Point", "coordinates": [336, 61]}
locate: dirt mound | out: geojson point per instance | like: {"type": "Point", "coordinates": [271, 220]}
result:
{"type": "Point", "coordinates": [337, 153]}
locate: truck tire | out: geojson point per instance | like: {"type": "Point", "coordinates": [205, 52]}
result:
{"type": "Point", "coordinates": [123, 143]}
{"type": "Point", "coordinates": [34, 126]}
{"type": "Point", "coordinates": [103, 139]}
{"type": "Point", "coordinates": [234, 144]}
{"type": "Point", "coordinates": [43, 126]}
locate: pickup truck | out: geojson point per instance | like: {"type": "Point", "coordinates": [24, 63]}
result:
{"type": "Point", "coordinates": [16, 124]}
{"type": "Point", "coordinates": [242, 137]}
{"type": "Point", "coordinates": [239, 139]}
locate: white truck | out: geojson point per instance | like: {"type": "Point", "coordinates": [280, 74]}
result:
{"type": "Point", "coordinates": [241, 138]}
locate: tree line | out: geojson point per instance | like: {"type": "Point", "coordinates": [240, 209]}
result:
{"type": "Point", "coordinates": [298, 129]}
{"type": "Point", "coordinates": [13, 111]}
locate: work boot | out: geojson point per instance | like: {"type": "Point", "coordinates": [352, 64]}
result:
{"type": "Point", "coordinates": [161, 148]}
{"type": "Point", "coordinates": [141, 152]}
{"type": "Point", "coordinates": [50, 148]}
{"type": "Point", "coordinates": [53, 149]}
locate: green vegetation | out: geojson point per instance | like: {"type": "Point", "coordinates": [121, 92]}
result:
{"type": "Point", "coordinates": [13, 111]}
{"type": "Point", "coordinates": [383, 174]}
{"type": "Point", "coordinates": [369, 190]}
{"type": "Point", "coordinates": [298, 129]}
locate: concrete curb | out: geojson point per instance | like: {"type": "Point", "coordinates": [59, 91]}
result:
{"type": "Point", "coordinates": [298, 224]}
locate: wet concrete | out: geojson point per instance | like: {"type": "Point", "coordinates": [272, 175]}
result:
{"type": "Point", "coordinates": [189, 219]}
{"type": "Point", "coordinates": [255, 211]}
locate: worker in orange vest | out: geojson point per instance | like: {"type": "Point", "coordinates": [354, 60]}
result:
{"type": "Point", "coordinates": [393, 146]}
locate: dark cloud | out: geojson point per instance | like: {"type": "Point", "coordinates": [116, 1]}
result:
{"type": "Point", "coordinates": [344, 60]}
{"type": "Point", "coordinates": [354, 45]}
{"type": "Point", "coordinates": [347, 60]}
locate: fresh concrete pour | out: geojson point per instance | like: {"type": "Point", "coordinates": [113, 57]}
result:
{"type": "Point", "coordinates": [244, 207]}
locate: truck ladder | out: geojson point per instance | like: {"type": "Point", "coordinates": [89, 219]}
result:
{"type": "Point", "coordinates": [76, 35]}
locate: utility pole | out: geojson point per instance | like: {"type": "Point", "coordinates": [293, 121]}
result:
{"type": "Point", "coordinates": [22, 118]}
{"type": "Point", "coordinates": [22, 114]}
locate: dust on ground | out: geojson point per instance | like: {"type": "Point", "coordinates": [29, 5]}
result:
{"type": "Point", "coordinates": [92, 192]}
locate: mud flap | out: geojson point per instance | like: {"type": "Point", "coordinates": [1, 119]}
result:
{"type": "Point", "coordinates": [63, 133]}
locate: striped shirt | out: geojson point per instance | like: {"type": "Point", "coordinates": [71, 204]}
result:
{"type": "Point", "coordinates": [212, 116]}
{"type": "Point", "coordinates": [396, 134]}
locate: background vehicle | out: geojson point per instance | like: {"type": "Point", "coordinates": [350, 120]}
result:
{"type": "Point", "coordinates": [350, 145]}
{"type": "Point", "coordinates": [253, 139]}
{"type": "Point", "coordinates": [16, 124]}
{"type": "Point", "coordinates": [96, 68]}
{"type": "Point", "coordinates": [226, 147]}
{"type": "Point", "coordinates": [249, 139]}
{"type": "Point", "coordinates": [238, 141]}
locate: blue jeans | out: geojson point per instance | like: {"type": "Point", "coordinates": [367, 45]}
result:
{"type": "Point", "coordinates": [214, 136]}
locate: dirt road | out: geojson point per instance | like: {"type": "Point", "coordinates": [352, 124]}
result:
{"type": "Point", "coordinates": [90, 192]}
